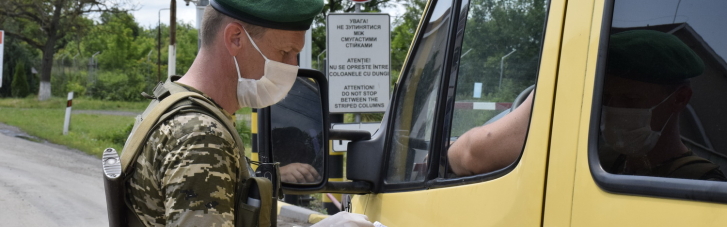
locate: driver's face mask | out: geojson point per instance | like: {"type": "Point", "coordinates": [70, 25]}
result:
{"type": "Point", "coordinates": [628, 130]}
{"type": "Point", "coordinates": [272, 87]}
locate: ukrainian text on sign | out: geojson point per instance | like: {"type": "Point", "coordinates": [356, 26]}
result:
{"type": "Point", "coordinates": [358, 62]}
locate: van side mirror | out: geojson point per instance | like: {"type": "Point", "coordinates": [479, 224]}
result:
{"type": "Point", "coordinates": [295, 132]}
{"type": "Point", "coordinates": [298, 132]}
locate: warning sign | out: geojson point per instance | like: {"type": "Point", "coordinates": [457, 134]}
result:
{"type": "Point", "coordinates": [358, 62]}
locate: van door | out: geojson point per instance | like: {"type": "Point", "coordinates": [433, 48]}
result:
{"type": "Point", "coordinates": [472, 62]}
{"type": "Point", "coordinates": [616, 184]}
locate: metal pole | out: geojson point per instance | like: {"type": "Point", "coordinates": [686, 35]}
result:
{"type": "Point", "coordinates": [200, 13]}
{"type": "Point", "coordinates": [172, 63]}
{"type": "Point", "coordinates": [63, 66]}
{"type": "Point", "coordinates": [148, 60]}
{"type": "Point", "coordinates": [319, 60]}
{"type": "Point", "coordinates": [75, 64]}
{"type": "Point", "coordinates": [502, 61]}
{"type": "Point", "coordinates": [67, 120]}
{"type": "Point", "coordinates": [159, 45]}
{"type": "Point", "coordinates": [357, 8]}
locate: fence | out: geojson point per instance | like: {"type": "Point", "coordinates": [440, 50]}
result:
{"type": "Point", "coordinates": [86, 77]}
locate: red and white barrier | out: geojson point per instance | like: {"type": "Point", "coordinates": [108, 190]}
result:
{"type": "Point", "coordinates": [67, 121]}
{"type": "Point", "coordinates": [482, 105]}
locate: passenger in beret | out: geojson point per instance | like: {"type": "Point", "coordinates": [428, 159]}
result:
{"type": "Point", "coordinates": [645, 89]}
{"type": "Point", "coordinates": [190, 168]}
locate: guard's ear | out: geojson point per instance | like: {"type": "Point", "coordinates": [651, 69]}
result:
{"type": "Point", "coordinates": [232, 37]}
{"type": "Point", "coordinates": [681, 97]}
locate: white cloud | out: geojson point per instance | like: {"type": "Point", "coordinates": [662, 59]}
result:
{"type": "Point", "coordinates": [148, 14]}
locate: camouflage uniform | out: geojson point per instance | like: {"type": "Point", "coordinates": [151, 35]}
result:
{"type": "Point", "coordinates": [186, 174]}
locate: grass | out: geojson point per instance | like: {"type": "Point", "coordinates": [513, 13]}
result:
{"type": "Point", "coordinates": [79, 103]}
{"type": "Point", "coordinates": [90, 133]}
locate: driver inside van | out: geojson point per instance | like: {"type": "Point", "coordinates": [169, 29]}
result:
{"type": "Point", "coordinates": [645, 89]}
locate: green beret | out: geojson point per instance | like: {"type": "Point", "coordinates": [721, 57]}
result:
{"type": "Point", "coordinates": [652, 57]}
{"type": "Point", "coordinates": [296, 15]}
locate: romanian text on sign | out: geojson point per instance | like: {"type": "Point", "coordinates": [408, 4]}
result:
{"type": "Point", "coordinates": [358, 62]}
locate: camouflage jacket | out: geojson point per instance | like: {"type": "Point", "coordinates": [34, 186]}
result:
{"type": "Point", "coordinates": [186, 174]}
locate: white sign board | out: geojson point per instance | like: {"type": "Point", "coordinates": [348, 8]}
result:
{"type": "Point", "coordinates": [358, 62]}
{"type": "Point", "coordinates": [342, 145]}
{"type": "Point", "coordinates": [2, 48]}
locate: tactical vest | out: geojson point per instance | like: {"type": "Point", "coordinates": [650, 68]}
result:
{"type": "Point", "coordinates": [171, 99]}
{"type": "Point", "coordinates": [687, 167]}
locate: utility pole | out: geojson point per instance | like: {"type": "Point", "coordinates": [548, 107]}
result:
{"type": "Point", "coordinates": [502, 65]}
{"type": "Point", "coordinates": [201, 4]}
{"type": "Point", "coordinates": [172, 65]}
{"type": "Point", "coordinates": [159, 46]}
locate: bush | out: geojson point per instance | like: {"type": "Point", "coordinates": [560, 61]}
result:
{"type": "Point", "coordinates": [120, 85]}
{"type": "Point", "coordinates": [119, 136]}
{"type": "Point", "coordinates": [19, 87]}
{"type": "Point", "coordinates": [244, 131]}
{"type": "Point", "coordinates": [62, 83]}
{"type": "Point", "coordinates": [76, 88]}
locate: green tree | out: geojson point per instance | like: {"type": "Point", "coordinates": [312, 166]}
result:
{"type": "Point", "coordinates": [20, 86]}
{"type": "Point", "coordinates": [20, 52]}
{"type": "Point", "coordinates": [127, 59]}
{"type": "Point", "coordinates": [186, 46]}
{"type": "Point", "coordinates": [338, 6]}
{"type": "Point", "coordinates": [48, 25]}
{"type": "Point", "coordinates": [116, 35]}
{"type": "Point", "coordinates": [404, 28]}
{"type": "Point", "coordinates": [494, 29]}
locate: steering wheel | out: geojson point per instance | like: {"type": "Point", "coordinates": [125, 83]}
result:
{"type": "Point", "coordinates": [521, 97]}
{"type": "Point", "coordinates": [515, 103]}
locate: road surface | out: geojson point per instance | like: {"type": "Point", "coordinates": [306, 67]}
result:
{"type": "Point", "coordinates": [43, 184]}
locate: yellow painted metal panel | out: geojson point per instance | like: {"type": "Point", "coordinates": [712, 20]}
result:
{"type": "Point", "coordinates": [512, 200]}
{"type": "Point", "coordinates": [593, 206]}
{"type": "Point", "coordinates": [569, 98]}
{"type": "Point", "coordinates": [253, 122]}
{"type": "Point", "coordinates": [515, 199]}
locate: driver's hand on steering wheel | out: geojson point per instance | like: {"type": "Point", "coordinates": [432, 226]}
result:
{"type": "Point", "coordinates": [299, 173]}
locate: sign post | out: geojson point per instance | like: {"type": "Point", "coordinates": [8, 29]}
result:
{"type": "Point", "coordinates": [2, 47]}
{"type": "Point", "coordinates": [358, 62]}
{"type": "Point", "coordinates": [358, 50]}
{"type": "Point", "coordinates": [67, 120]}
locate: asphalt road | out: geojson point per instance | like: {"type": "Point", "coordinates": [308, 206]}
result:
{"type": "Point", "coordinates": [43, 184]}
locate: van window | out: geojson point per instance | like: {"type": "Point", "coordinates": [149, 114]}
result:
{"type": "Point", "coordinates": [497, 71]}
{"type": "Point", "coordinates": [417, 99]}
{"type": "Point", "coordinates": [664, 82]}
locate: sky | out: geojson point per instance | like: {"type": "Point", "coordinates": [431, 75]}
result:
{"type": "Point", "coordinates": [707, 17]}
{"type": "Point", "coordinates": [148, 13]}
{"type": "Point", "coordinates": [701, 15]}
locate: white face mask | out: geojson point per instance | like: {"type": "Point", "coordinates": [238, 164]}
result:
{"type": "Point", "coordinates": [628, 130]}
{"type": "Point", "coordinates": [272, 87]}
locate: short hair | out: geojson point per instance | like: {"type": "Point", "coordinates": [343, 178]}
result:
{"type": "Point", "coordinates": [213, 20]}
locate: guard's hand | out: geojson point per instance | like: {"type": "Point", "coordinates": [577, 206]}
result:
{"type": "Point", "coordinates": [299, 173]}
{"type": "Point", "coordinates": [345, 219]}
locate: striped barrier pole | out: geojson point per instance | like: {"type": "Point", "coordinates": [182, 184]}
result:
{"type": "Point", "coordinates": [67, 121]}
{"type": "Point", "coordinates": [483, 105]}
{"type": "Point", "coordinates": [253, 130]}
{"type": "Point", "coordinates": [335, 174]}
{"type": "Point", "coordinates": [335, 169]}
